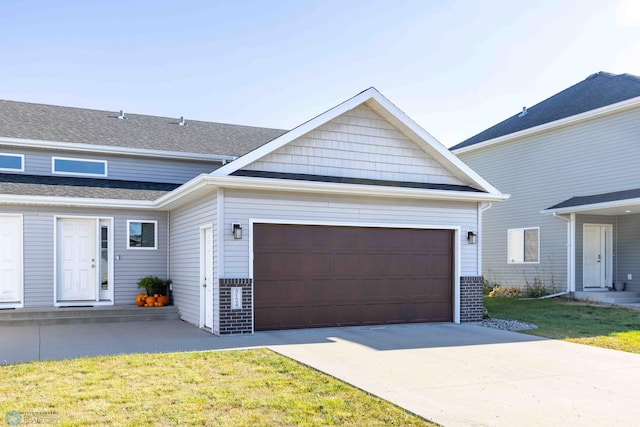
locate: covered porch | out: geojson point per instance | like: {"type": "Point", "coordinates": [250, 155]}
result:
{"type": "Point", "coordinates": [603, 246]}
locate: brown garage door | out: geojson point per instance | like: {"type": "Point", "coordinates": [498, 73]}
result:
{"type": "Point", "coordinates": [319, 276]}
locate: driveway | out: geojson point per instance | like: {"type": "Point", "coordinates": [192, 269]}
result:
{"type": "Point", "coordinates": [455, 375]}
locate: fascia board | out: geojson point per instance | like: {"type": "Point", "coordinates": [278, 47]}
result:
{"type": "Point", "coordinates": [109, 149]}
{"type": "Point", "coordinates": [592, 207]}
{"type": "Point", "coordinates": [578, 118]}
{"type": "Point", "coordinates": [7, 199]}
{"type": "Point", "coordinates": [352, 189]}
{"type": "Point", "coordinates": [295, 133]}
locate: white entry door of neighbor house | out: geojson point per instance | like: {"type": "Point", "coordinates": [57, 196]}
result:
{"type": "Point", "coordinates": [77, 259]}
{"type": "Point", "coordinates": [597, 258]}
{"type": "Point", "coordinates": [10, 259]}
{"type": "Point", "coordinates": [206, 267]}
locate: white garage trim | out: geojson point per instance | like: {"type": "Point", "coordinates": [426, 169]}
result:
{"type": "Point", "coordinates": [456, 248]}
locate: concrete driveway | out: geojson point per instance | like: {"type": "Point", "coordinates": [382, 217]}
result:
{"type": "Point", "coordinates": [455, 375]}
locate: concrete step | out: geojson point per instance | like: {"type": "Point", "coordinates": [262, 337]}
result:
{"type": "Point", "coordinates": [613, 297]}
{"type": "Point", "coordinates": [79, 315]}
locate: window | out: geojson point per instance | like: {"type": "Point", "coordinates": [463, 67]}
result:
{"type": "Point", "coordinates": [523, 245]}
{"type": "Point", "coordinates": [11, 162]}
{"type": "Point", "coordinates": [66, 166]}
{"type": "Point", "coordinates": [142, 234]}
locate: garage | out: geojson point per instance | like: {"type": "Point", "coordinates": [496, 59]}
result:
{"type": "Point", "coordinates": [312, 276]}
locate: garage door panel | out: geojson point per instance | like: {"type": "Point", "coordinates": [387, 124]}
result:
{"type": "Point", "coordinates": [350, 276]}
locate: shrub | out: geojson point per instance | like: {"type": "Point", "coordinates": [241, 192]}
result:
{"type": "Point", "coordinates": [536, 289]}
{"type": "Point", "coordinates": [505, 292]}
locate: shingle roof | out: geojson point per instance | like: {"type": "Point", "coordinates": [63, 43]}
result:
{"type": "Point", "coordinates": [597, 90]}
{"type": "Point", "coordinates": [58, 186]}
{"type": "Point", "coordinates": [68, 124]}
{"type": "Point", "coordinates": [598, 198]}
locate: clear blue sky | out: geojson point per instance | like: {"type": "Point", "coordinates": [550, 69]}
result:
{"type": "Point", "coordinates": [455, 67]}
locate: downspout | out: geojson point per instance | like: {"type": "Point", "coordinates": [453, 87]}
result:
{"type": "Point", "coordinates": [481, 208]}
{"type": "Point", "coordinates": [570, 254]}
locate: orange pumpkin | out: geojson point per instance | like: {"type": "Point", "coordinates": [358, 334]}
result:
{"type": "Point", "coordinates": [141, 299]}
{"type": "Point", "coordinates": [150, 301]}
{"type": "Point", "coordinates": [163, 300]}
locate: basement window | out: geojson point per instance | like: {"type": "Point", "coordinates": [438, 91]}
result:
{"type": "Point", "coordinates": [83, 167]}
{"type": "Point", "coordinates": [11, 162]}
{"type": "Point", "coordinates": [142, 234]}
{"type": "Point", "coordinates": [523, 245]}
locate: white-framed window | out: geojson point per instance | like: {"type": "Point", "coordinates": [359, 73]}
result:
{"type": "Point", "coordinates": [142, 234]}
{"type": "Point", "coordinates": [11, 162]}
{"type": "Point", "coordinates": [83, 167]}
{"type": "Point", "coordinates": [523, 245]}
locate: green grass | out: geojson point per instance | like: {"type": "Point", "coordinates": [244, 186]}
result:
{"type": "Point", "coordinates": [231, 388]}
{"type": "Point", "coordinates": [601, 326]}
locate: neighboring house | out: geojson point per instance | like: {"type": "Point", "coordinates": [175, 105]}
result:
{"type": "Point", "coordinates": [572, 167]}
{"type": "Point", "coordinates": [356, 217]}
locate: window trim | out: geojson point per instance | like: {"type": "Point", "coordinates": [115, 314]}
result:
{"type": "Point", "coordinates": [155, 234]}
{"type": "Point", "coordinates": [21, 156]}
{"type": "Point", "coordinates": [75, 159]}
{"type": "Point", "coordinates": [522, 230]}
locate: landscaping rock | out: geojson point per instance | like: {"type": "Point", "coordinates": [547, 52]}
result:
{"type": "Point", "coordinates": [507, 324]}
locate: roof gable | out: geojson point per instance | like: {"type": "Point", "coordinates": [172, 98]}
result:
{"type": "Point", "coordinates": [320, 136]}
{"type": "Point", "coordinates": [596, 91]}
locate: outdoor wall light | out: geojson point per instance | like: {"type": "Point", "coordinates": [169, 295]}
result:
{"type": "Point", "coordinates": [237, 230]}
{"type": "Point", "coordinates": [472, 237]}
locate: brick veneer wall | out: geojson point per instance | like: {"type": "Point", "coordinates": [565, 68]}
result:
{"type": "Point", "coordinates": [471, 307]}
{"type": "Point", "coordinates": [238, 321]}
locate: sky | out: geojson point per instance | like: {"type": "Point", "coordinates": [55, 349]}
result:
{"type": "Point", "coordinates": [455, 67]}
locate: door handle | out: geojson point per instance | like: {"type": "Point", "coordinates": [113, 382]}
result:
{"type": "Point", "coordinates": [204, 285]}
{"type": "Point", "coordinates": [598, 257]}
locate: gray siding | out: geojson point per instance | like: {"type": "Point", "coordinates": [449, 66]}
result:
{"type": "Point", "coordinates": [627, 246]}
{"type": "Point", "coordinates": [539, 171]}
{"type": "Point", "coordinates": [241, 206]}
{"type": "Point", "coordinates": [38, 236]}
{"type": "Point", "coordinates": [135, 168]}
{"type": "Point", "coordinates": [185, 254]}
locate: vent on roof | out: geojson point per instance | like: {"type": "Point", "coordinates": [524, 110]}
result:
{"type": "Point", "coordinates": [524, 112]}
{"type": "Point", "coordinates": [121, 116]}
{"type": "Point", "coordinates": [593, 76]}
{"type": "Point", "coordinates": [182, 122]}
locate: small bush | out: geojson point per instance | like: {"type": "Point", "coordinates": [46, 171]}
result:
{"type": "Point", "coordinates": [487, 287]}
{"type": "Point", "coordinates": [505, 292]}
{"type": "Point", "coordinates": [536, 289]}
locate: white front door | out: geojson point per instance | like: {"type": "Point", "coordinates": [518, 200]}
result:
{"type": "Point", "coordinates": [207, 275]}
{"type": "Point", "coordinates": [597, 255]}
{"type": "Point", "coordinates": [10, 259]}
{"type": "Point", "coordinates": [77, 263]}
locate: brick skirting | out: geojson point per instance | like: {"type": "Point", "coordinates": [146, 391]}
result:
{"type": "Point", "coordinates": [236, 320]}
{"type": "Point", "coordinates": [471, 307]}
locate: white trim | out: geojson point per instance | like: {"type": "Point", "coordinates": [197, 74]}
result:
{"type": "Point", "coordinates": [456, 249]}
{"type": "Point", "coordinates": [593, 206]}
{"type": "Point", "coordinates": [20, 303]}
{"type": "Point", "coordinates": [567, 121]}
{"type": "Point", "coordinates": [10, 199]}
{"type": "Point", "coordinates": [155, 235]}
{"type": "Point", "coordinates": [108, 149]}
{"type": "Point", "coordinates": [110, 255]}
{"type": "Point", "coordinates": [219, 247]}
{"type": "Point", "coordinates": [13, 169]}
{"type": "Point", "coordinates": [572, 253]}
{"type": "Point", "coordinates": [383, 106]}
{"type": "Point", "coordinates": [75, 159]}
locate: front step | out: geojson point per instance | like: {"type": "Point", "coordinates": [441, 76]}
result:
{"type": "Point", "coordinates": [80, 315]}
{"type": "Point", "coordinates": [624, 297]}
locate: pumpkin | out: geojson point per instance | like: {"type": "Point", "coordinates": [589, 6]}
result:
{"type": "Point", "coordinates": [141, 299]}
{"type": "Point", "coordinates": [163, 300]}
{"type": "Point", "coordinates": [150, 301]}
{"type": "Point", "coordinates": [156, 295]}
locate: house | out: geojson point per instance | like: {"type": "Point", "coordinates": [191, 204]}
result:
{"type": "Point", "coordinates": [355, 217]}
{"type": "Point", "coordinates": [570, 164]}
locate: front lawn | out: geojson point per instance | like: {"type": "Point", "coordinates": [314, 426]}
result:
{"type": "Point", "coordinates": [601, 326]}
{"type": "Point", "coordinates": [231, 388]}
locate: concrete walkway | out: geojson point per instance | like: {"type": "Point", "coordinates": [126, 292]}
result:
{"type": "Point", "coordinates": [455, 375]}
